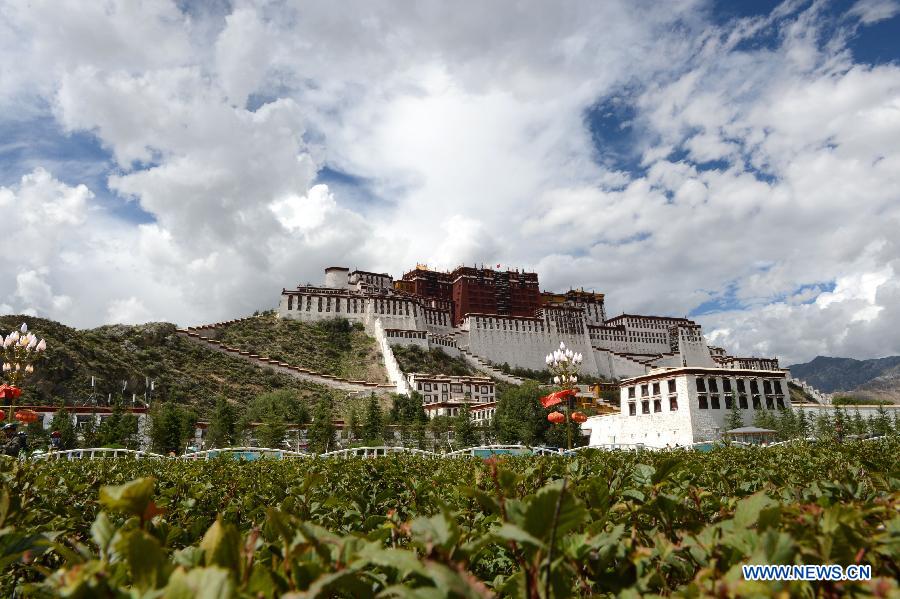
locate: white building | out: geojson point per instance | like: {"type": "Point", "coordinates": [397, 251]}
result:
{"type": "Point", "coordinates": [445, 395]}
{"type": "Point", "coordinates": [680, 406]}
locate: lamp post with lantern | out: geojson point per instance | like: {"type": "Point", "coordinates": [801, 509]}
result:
{"type": "Point", "coordinates": [563, 364]}
{"type": "Point", "coordinates": [20, 351]}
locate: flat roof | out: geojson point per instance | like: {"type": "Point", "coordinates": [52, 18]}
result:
{"type": "Point", "coordinates": [682, 370]}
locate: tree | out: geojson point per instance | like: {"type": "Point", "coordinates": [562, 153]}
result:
{"type": "Point", "coordinates": [735, 417]}
{"type": "Point", "coordinates": [464, 432]}
{"type": "Point", "coordinates": [222, 430]}
{"type": "Point", "coordinates": [858, 425]}
{"type": "Point", "coordinates": [171, 426]}
{"type": "Point", "coordinates": [882, 421]}
{"type": "Point", "coordinates": [271, 432]}
{"type": "Point", "coordinates": [520, 418]}
{"type": "Point", "coordinates": [802, 424]}
{"type": "Point", "coordinates": [354, 426]}
{"type": "Point", "coordinates": [440, 428]}
{"type": "Point", "coordinates": [373, 430]}
{"type": "Point", "coordinates": [62, 422]}
{"type": "Point", "coordinates": [407, 409]}
{"type": "Point", "coordinates": [763, 419]}
{"type": "Point", "coordinates": [119, 429]}
{"type": "Point", "coordinates": [824, 428]}
{"type": "Point", "coordinates": [321, 432]}
{"type": "Point", "coordinates": [786, 425]}
{"type": "Point", "coordinates": [418, 434]}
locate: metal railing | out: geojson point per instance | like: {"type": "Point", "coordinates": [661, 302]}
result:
{"type": "Point", "coordinates": [96, 453]}
{"type": "Point", "coordinates": [245, 453]}
{"type": "Point", "coordinates": [375, 452]}
{"type": "Point", "coordinates": [481, 451]}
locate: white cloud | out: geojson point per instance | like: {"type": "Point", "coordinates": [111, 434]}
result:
{"type": "Point", "coordinates": [468, 130]}
{"type": "Point", "coordinates": [872, 11]}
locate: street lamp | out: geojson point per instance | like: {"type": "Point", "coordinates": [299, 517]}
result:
{"type": "Point", "coordinates": [563, 364]}
{"type": "Point", "coordinates": [20, 351]}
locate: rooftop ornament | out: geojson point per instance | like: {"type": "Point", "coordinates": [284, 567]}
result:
{"type": "Point", "coordinates": [20, 351]}
{"type": "Point", "coordinates": [563, 364]}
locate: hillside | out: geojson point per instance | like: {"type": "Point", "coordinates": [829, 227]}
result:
{"type": "Point", "coordinates": [332, 347]}
{"type": "Point", "coordinates": [434, 361]}
{"type": "Point", "coordinates": [868, 379]}
{"type": "Point", "coordinates": [182, 370]}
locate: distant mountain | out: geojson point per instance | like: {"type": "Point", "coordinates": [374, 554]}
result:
{"type": "Point", "coordinates": [871, 379]}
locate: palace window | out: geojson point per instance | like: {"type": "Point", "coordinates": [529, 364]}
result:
{"type": "Point", "coordinates": [290, 302]}
{"type": "Point", "coordinates": [767, 386]}
{"type": "Point", "coordinates": [704, 405]}
{"type": "Point", "coordinates": [754, 386]}
{"type": "Point", "coordinates": [428, 386]}
{"type": "Point", "coordinates": [728, 401]}
{"type": "Point", "coordinates": [645, 390]}
{"type": "Point", "coordinates": [671, 385]}
{"type": "Point", "coordinates": [742, 401]}
{"type": "Point", "coordinates": [770, 403]}
{"type": "Point", "coordinates": [726, 385]}
{"type": "Point", "coordinates": [673, 404]}
{"type": "Point", "coordinates": [456, 388]}
{"type": "Point", "coordinates": [630, 392]}
{"type": "Point", "coordinates": [645, 407]}
{"type": "Point", "coordinates": [701, 385]}
{"type": "Point", "coordinates": [741, 387]}
{"type": "Point", "coordinates": [713, 386]}
{"type": "Point", "coordinates": [484, 389]}
{"type": "Point", "coordinates": [444, 396]}
{"type": "Point", "coordinates": [715, 402]}
{"type": "Point", "coordinates": [320, 304]}
{"type": "Point", "coordinates": [657, 405]}
{"type": "Point", "coordinates": [632, 410]}
{"type": "Point", "coordinates": [655, 388]}
{"type": "Point", "coordinates": [308, 303]}
{"type": "Point", "coordinates": [756, 403]}
{"type": "Point", "coordinates": [780, 401]}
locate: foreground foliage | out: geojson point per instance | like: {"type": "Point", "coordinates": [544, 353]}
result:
{"type": "Point", "coordinates": [627, 524]}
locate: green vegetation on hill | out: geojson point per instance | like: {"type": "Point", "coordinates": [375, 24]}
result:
{"type": "Point", "coordinates": [183, 371]}
{"type": "Point", "coordinates": [412, 358]}
{"type": "Point", "coordinates": [333, 347]}
{"type": "Point", "coordinates": [798, 395]}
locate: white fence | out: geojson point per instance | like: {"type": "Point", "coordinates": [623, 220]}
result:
{"type": "Point", "coordinates": [482, 451]}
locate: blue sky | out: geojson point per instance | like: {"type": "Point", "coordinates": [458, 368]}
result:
{"type": "Point", "coordinates": [733, 161]}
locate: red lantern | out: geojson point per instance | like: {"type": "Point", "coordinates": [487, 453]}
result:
{"type": "Point", "coordinates": [578, 417]}
{"type": "Point", "coordinates": [555, 398]}
{"type": "Point", "coordinates": [9, 392]}
{"type": "Point", "coordinates": [556, 417]}
{"type": "Point", "coordinates": [27, 416]}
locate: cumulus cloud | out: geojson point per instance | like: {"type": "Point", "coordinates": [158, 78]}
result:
{"type": "Point", "coordinates": [764, 174]}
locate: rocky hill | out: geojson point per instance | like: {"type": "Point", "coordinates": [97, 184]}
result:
{"type": "Point", "coordinates": [867, 379]}
{"type": "Point", "coordinates": [183, 371]}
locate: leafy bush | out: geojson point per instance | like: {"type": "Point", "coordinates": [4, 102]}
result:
{"type": "Point", "coordinates": [604, 523]}
{"type": "Point", "coordinates": [412, 358]}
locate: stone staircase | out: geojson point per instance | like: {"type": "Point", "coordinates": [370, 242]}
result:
{"type": "Point", "coordinates": [296, 372]}
{"type": "Point", "coordinates": [481, 365]}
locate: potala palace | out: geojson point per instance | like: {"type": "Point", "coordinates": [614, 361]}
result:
{"type": "Point", "coordinates": [675, 389]}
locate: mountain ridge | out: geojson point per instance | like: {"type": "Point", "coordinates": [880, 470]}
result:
{"type": "Point", "coordinates": [874, 379]}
